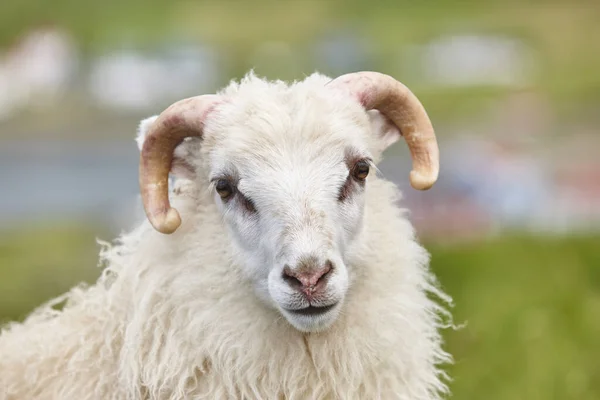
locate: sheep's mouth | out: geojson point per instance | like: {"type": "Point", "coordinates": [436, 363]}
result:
{"type": "Point", "coordinates": [313, 310]}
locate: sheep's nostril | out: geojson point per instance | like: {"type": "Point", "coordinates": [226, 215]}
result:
{"type": "Point", "coordinates": [290, 278]}
{"type": "Point", "coordinates": [303, 278]}
{"type": "Point", "coordinates": [325, 272]}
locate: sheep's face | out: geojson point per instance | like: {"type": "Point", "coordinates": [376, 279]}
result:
{"type": "Point", "coordinates": [288, 170]}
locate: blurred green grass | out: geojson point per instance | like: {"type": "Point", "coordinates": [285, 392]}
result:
{"type": "Point", "coordinates": [39, 263]}
{"type": "Point", "coordinates": [532, 308]}
{"type": "Point", "coordinates": [531, 304]}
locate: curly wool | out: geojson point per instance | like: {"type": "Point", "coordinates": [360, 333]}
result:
{"type": "Point", "coordinates": [159, 324]}
{"type": "Point", "coordinates": [173, 317]}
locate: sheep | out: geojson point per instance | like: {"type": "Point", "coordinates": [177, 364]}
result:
{"type": "Point", "coordinates": [273, 265]}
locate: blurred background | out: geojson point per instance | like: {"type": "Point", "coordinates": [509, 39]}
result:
{"type": "Point", "coordinates": [513, 89]}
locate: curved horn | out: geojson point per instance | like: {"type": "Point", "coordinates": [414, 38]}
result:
{"type": "Point", "coordinates": [401, 106]}
{"type": "Point", "coordinates": [182, 119]}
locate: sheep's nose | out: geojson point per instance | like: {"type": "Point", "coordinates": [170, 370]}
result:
{"type": "Point", "coordinates": [308, 277]}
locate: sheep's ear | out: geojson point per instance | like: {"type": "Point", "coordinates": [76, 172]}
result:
{"type": "Point", "coordinates": [384, 131]}
{"type": "Point", "coordinates": [181, 166]}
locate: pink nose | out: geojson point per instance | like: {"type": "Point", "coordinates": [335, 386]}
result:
{"type": "Point", "coordinates": [308, 277]}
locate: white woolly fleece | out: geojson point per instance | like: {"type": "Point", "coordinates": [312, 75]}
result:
{"type": "Point", "coordinates": [173, 317]}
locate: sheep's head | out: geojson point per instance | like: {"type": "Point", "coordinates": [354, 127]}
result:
{"type": "Point", "coordinates": [288, 167]}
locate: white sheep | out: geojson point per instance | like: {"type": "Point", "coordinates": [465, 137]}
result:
{"type": "Point", "coordinates": [289, 271]}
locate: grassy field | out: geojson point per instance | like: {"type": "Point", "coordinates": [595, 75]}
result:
{"type": "Point", "coordinates": [531, 306]}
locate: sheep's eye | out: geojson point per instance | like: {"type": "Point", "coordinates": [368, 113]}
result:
{"type": "Point", "coordinates": [224, 188]}
{"type": "Point", "coordinates": [361, 170]}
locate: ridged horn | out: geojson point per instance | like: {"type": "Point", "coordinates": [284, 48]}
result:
{"type": "Point", "coordinates": [390, 97]}
{"type": "Point", "coordinates": [185, 118]}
